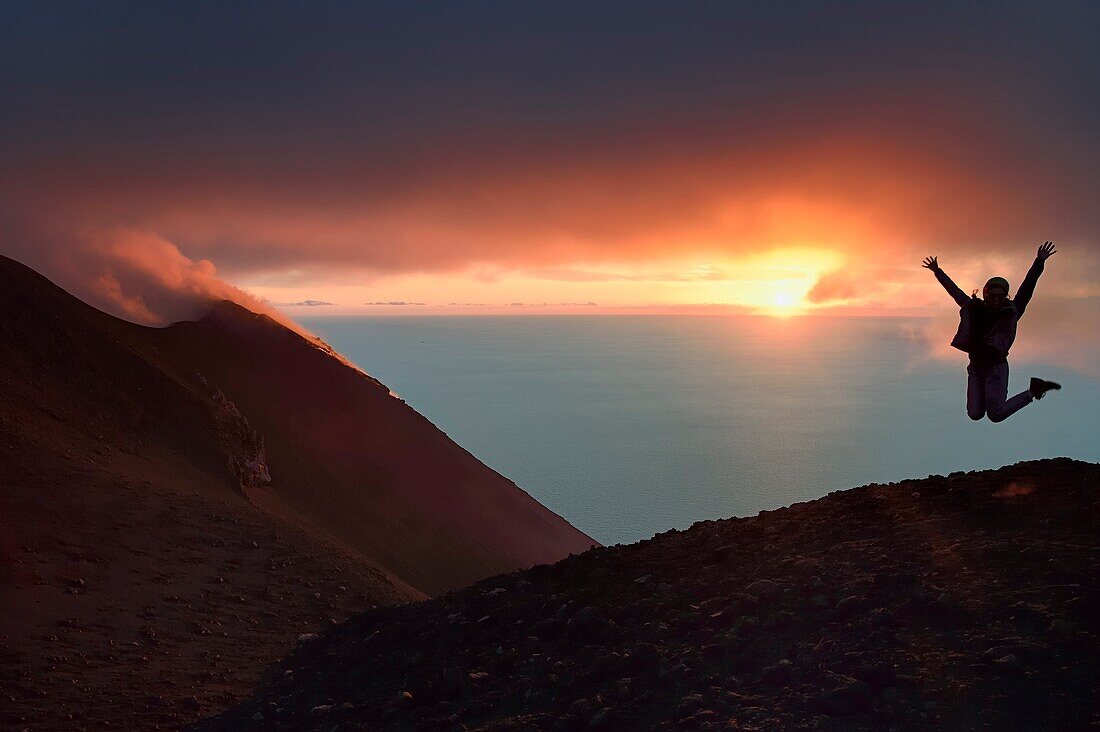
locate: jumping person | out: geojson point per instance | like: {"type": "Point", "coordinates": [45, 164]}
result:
{"type": "Point", "coordinates": [987, 329]}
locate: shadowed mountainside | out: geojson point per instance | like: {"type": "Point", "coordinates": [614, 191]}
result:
{"type": "Point", "coordinates": [178, 504]}
{"type": "Point", "coordinates": [360, 465]}
{"type": "Point", "coordinates": [962, 602]}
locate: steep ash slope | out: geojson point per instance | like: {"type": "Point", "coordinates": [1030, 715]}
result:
{"type": "Point", "coordinates": [177, 505]}
{"type": "Point", "coordinates": [962, 602]}
{"type": "Point", "coordinates": [268, 413]}
{"type": "Point", "coordinates": [138, 585]}
{"type": "Point", "coordinates": [361, 466]}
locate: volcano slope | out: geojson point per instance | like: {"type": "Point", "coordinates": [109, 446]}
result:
{"type": "Point", "coordinates": [178, 505]}
{"type": "Point", "coordinates": [961, 602]}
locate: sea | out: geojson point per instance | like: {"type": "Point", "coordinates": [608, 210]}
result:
{"type": "Point", "coordinates": [630, 425]}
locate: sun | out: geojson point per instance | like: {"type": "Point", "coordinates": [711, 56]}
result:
{"type": "Point", "coordinates": [783, 299]}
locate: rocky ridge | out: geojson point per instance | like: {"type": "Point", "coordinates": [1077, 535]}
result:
{"type": "Point", "coordinates": [179, 504]}
{"type": "Point", "coordinates": [964, 601]}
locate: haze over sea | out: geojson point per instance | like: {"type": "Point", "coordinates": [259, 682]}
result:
{"type": "Point", "coordinates": [632, 425]}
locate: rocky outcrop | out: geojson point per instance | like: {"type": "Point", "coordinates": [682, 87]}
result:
{"type": "Point", "coordinates": [969, 601]}
{"type": "Point", "coordinates": [243, 448]}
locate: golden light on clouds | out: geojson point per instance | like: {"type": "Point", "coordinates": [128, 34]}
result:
{"type": "Point", "coordinates": [727, 173]}
{"type": "Point", "coordinates": [728, 170]}
{"type": "Point", "coordinates": [774, 282]}
{"type": "Point", "coordinates": [777, 282]}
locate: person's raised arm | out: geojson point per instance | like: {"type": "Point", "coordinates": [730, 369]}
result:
{"type": "Point", "coordinates": [1027, 287]}
{"type": "Point", "coordinates": [952, 289]}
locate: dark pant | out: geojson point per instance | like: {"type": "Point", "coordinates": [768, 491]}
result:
{"type": "Point", "coordinates": [987, 392]}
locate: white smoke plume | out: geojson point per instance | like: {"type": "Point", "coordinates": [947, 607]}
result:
{"type": "Point", "coordinates": [133, 274]}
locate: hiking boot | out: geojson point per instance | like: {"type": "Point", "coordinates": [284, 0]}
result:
{"type": "Point", "coordinates": [1039, 387]}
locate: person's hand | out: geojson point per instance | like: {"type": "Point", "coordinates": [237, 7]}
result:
{"type": "Point", "coordinates": [932, 264]}
{"type": "Point", "coordinates": [1045, 250]}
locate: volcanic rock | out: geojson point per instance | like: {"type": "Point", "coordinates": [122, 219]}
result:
{"type": "Point", "coordinates": [918, 627]}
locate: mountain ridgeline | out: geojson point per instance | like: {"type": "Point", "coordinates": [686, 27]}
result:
{"type": "Point", "coordinates": [293, 427]}
{"type": "Point", "coordinates": [213, 487]}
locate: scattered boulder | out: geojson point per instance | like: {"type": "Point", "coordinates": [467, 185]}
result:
{"type": "Point", "coordinates": [849, 606]}
{"type": "Point", "coordinates": [766, 590]}
{"type": "Point", "coordinates": [778, 673]}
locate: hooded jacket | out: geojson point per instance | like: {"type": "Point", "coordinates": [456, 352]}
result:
{"type": "Point", "coordinates": [1002, 332]}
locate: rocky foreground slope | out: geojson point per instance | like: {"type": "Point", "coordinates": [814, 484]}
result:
{"type": "Point", "coordinates": [962, 602]}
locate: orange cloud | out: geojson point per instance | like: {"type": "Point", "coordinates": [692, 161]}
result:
{"type": "Point", "coordinates": [877, 183]}
{"type": "Point", "coordinates": [880, 181]}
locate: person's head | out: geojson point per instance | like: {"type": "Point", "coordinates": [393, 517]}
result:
{"type": "Point", "coordinates": [995, 291]}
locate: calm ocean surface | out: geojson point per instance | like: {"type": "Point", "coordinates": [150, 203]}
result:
{"type": "Point", "coordinates": [631, 425]}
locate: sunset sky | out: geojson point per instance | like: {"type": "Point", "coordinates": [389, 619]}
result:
{"type": "Point", "coordinates": [573, 157]}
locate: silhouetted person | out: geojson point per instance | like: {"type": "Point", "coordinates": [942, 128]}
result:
{"type": "Point", "coordinates": [987, 329]}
